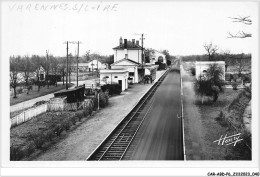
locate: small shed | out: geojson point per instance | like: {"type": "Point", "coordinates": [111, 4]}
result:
{"type": "Point", "coordinates": [119, 76]}
{"type": "Point", "coordinates": [203, 66]}
{"type": "Point", "coordinates": [73, 95]}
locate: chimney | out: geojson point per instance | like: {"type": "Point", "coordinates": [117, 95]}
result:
{"type": "Point", "coordinates": [133, 41]}
{"type": "Point", "coordinates": [121, 42]}
{"type": "Point", "coordinates": [125, 43]}
{"type": "Point", "coordinates": [137, 43]}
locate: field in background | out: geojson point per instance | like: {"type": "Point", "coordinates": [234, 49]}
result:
{"type": "Point", "coordinates": [34, 94]}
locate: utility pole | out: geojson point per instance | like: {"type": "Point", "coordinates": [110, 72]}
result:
{"type": "Point", "coordinates": [97, 67]}
{"type": "Point", "coordinates": [67, 61]}
{"type": "Point", "coordinates": [142, 38]}
{"type": "Point", "coordinates": [92, 67]}
{"type": "Point", "coordinates": [67, 65]}
{"type": "Point", "coordinates": [47, 68]}
{"type": "Point", "coordinates": [142, 57]}
{"type": "Point", "coordinates": [78, 66]}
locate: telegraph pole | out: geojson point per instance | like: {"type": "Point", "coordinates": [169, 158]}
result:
{"type": "Point", "coordinates": [47, 68]}
{"type": "Point", "coordinates": [78, 66]}
{"type": "Point", "coordinates": [142, 57]}
{"type": "Point", "coordinates": [67, 61]}
{"type": "Point", "coordinates": [67, 65]}
{"type": "Point", "coordinates": [142, 38]}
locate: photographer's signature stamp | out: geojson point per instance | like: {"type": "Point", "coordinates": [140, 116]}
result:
{"type": "Point", "coordinates": [227, 140]}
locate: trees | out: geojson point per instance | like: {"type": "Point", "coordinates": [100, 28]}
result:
{"type": "Point", "coordinates": [211, 84]}
{"type": "Point", "coordinates": [14, 68]}
{"type": "Point", "coordinates": [241, 62]}
{"type": "Point", "coordinates": [26, 67]}
{"type": "Point", "coordinates": [148, 54]}
{"type": "Point", "coordinates": [37, 62]}
{"type": "Point", "coordinates": [211, 50]}
{"type": "Point", "coordinates": [54, 65]}
{"type": "Point", "coordinates": [241, 34]}
{"type": "Point", "coordinates": [214, 75]}
{"type": "Point", "coordinates": [227, 57]}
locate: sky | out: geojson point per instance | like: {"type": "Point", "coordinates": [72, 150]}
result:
{"type": "Point", "coordinates": [182, 28]}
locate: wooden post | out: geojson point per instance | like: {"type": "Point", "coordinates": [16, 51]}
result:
{"type": "Point", "coordinates": [78, 66]}
{"type": "Point", "coordinates": [98, 101]}
{"type": "Point", "coordinates": [23, 116]}
{"type": "Point", "coordinates": [67, 66]}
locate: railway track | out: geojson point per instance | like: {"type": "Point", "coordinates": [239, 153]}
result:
{"type": "Point", "coordinates": [115, 146]}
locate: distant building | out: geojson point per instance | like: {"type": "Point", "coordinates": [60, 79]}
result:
{"type": "Point", "coordinates": [129, 50]}
{"type": "Point", "coordinates": [203, 66]}
{"type": "Point", "coordinates": [83, 67]}
{"type": "Point", "coordinates": [96, 65]}
{"type": "Point", "coordinates": [131, 66]}
{"type": "Point", "coordinates": [157, 57]}
{"type": "Point", "coordinates": [118, 76]}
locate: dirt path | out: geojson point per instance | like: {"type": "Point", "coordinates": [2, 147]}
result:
{"type": "Point", "coordinates": [79, 143]}
{"type": "Point", "coordinates": [192, 121]}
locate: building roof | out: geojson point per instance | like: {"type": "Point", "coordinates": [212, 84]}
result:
{"type": "Point", "coordinates": [80, 64]}
{"type": "Point", "coordinates": [130, 45]}
{"type": "Point", "coordinates": [111, 71]}
{"type": "Point", "coordinates": [209, 62]}
{"type": "Point", "coordinates": [128, 60]}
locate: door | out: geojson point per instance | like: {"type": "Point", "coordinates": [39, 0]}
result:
{"type": "Point", "coordinates": [120, 82]}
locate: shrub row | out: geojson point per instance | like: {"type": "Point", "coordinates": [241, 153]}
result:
{"type": "Point", "coordinates": [45, 127]}
{"type": "Point", "coordinates": [52, 127]}
{"type": "Point", "coordinates": [112, 88]}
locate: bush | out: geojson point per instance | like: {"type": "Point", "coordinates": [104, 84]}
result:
{"type": "Point", "coordinates": [66, 124]}
{"type": "Point", "coordinates": [19, 91]}
{"type": "Point", "coordinates": [58, 129]}
{"type": "Point", "coordinates": [74, 119]}
{"type": "Point", "coordinates": [113, 89]}
{"type": "Point", "coordinates": [49, 134]}
{"type": "Point", "coordinates": [16, 153]}
{"type": "Point", "coordinates": [247, 78]}
{"type": "Point", "coordinates": [37, 138]}
{"type": "Point", "coordinates": [39, 103]}
{"type": "Point", "coordinates": [193, 71]}
{"type": "Point", "coordinates": [234, 85]}
{"type": "Point", "coordinates": [103, 99]}
{"type": "Point", "coordinates": [80, 114]}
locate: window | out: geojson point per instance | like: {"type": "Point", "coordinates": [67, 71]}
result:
{"type": "Point", "coordinates": [115, 76]}
{"type": "Point", "coordinates": [131, 73]}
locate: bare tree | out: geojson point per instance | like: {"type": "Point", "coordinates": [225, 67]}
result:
{"type": "Point", "coordinates": [148, 54]}
{"type": "Point", "coordinates": [241, 63]}
{"type": "Point", "coordinates": [26, 67]}
{"type": "Point", "coordinates": [245, 20]}
{"type": "Point", "coordinates": [14, 69]}
{"type": "Point", "coordinates": [211, 50]}
{"type": "Point", "coordinates": [241, 34]}
{"type": "Point", "coordinates": [54, 65]}
{"type": "Point", "coordinates": [227, 57]}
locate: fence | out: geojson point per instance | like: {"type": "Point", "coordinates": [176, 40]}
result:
{"type": "Point", "coordinates": [28, 115]}
{"type": "Point", "coordinates": [65, 106]}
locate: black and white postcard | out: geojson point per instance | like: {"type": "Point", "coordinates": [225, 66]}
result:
{"type": "Point", "coordinates": [127, 88]}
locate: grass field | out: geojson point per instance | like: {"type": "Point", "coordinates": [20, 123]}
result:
{"type": "Point", "coordinates": [83, 76]}
{"type": "Point", "coordinates": [37, 133]}
{"type": "Point", "coordinates": [212, 129]}
{"type": "Point", "coordinates": [34, 94]}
